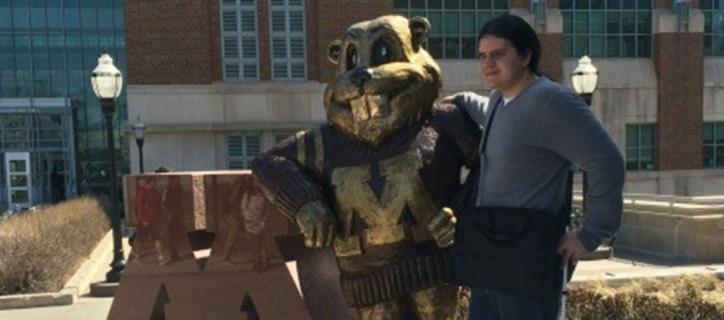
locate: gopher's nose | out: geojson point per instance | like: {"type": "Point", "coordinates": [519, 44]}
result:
{"type": "Point", "coordinates": [360, 76]}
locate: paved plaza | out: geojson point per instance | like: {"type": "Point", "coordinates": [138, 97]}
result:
{"type": "Point", "coordinates": [89, 308]}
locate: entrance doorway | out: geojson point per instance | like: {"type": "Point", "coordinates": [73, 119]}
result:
{"type": "Point", "coordinates": [55, 177]}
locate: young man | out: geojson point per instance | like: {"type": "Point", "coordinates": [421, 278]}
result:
{"type": "Point", "coordinates": [539, 128]}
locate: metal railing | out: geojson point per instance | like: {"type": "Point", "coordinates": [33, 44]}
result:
{"type": "Point", "coordinates": [670, 204]}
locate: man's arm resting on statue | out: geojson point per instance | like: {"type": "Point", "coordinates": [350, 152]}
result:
{"type": "Point", "coordinates": [474, 105]}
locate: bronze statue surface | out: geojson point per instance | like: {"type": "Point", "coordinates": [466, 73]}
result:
{"type": "Point", "coordinates": [375, 182]}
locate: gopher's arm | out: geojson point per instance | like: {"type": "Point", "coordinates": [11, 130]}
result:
{"type": "Point", "coordinates": [285, 181]}
{"type": "Point", "coordinates": [464, 131]}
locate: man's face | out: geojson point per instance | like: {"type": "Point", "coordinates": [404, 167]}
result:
{"type": "Point", "coordinates": [500, 64]}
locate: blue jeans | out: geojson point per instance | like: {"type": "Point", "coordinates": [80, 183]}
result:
{"type": "Point", "coordinates": [488, 304]}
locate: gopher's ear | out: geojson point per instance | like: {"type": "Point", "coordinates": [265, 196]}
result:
{"type": "Point", "coordinates": [334, 50]}
{"type": "Point", "coordinates": [419, 28]}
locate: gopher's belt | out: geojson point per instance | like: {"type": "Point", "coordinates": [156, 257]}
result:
{"type": "Point", "coordinates": [402, 277]}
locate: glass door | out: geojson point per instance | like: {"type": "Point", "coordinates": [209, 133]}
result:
{"type": "Point", "coordinates": [17, 166]}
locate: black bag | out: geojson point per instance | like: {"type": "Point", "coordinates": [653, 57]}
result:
{"type": "Point", "coordinates": [508, 249]}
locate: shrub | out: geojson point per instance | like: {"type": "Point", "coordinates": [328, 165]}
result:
{"type": "Point", "coordinates": [40, 250]}
{"type": "Point", "coordinates": [689, 297]}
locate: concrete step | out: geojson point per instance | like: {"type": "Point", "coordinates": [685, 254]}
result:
{"type": "Point", "coordinates": [100, 288]}
{"type": "Point", "coordinates": [603, 252]}
{"type": "Point", "coordinates": [103, 289]}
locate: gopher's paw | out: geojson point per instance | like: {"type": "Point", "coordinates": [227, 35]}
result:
{"type": "Point", "coordinates": [317, 223]}
{"type": "Point", "coordinates": [442, 227]}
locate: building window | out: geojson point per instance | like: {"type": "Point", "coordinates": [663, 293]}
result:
{"type": "Point", "coordinates": [455, 23]}
{"type": "Point", "coordinates": [713, 144]}
{"type": "Point", "coordinates": [641, 146]}
{"type": "Point", "coordinates": [606, 28]}
{"type": "Point", "coordinates": [239, 45]}
{"type": "Point", "coordinates": [288, 44]}
{"type": "Point", "coordinates": [713, 27]}
{"type": "Point", "coordinates": [241, 150]}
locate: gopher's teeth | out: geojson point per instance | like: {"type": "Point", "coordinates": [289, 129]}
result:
{"type": "Point", "coordinates": [370, 106]}
{"type": "Point", "coordinates": [359, 109]}
{"type": "Point", "coordinates": [379, 105]}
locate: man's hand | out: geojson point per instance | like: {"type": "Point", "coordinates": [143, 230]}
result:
{"type": "Point", "coordinates": [571, 249]}
{"type": "Point", "coordinates": [317, 223]}
{"type": "Point", "coordinates": [442, 227]}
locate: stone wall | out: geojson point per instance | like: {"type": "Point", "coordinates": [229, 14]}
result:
{"type": "Point", "coordinates": [678, 229]}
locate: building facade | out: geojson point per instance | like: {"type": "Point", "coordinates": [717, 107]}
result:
{"type": "Point", "coordinates": [218, 81]}
{"type": "Point", "coordinates": [52, 137]}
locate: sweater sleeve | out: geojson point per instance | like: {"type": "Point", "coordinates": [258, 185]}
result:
{"type": "Point", "coordinates": [460, 128]}
{"type": "Point", "coordinates": [283, 179]}
{"type": "Point", "coordinates": [475, 105]}
{"type": "Point", "coordinates": [573, 132]}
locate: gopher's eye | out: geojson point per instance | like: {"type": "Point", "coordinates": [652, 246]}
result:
{"type": "Point", "coordinates": [352, 57]}
{"type": "Point", "coordinates": [381, 52]}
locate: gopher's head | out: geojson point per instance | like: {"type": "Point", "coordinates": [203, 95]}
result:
{"type": "Point", "coordinates": [384, 81]}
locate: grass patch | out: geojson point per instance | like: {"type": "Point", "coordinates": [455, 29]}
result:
{"type": "Point", "coordinates": [40, 250]}
{"type": "Point", "coordinates": [689, 297]}
{"type": "Point", "coordinates": [697, 297]}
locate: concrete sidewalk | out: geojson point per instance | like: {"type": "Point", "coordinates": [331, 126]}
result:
{"type": "Point", "coordinates": [617, 270]}
{"type": "Point", "coordinates": [613, 270]}
{"type": "Point", "coordinates": [86, 308]}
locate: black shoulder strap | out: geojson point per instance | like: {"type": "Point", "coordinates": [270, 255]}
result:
{"type": "Point", "coordinates": [489, 123]}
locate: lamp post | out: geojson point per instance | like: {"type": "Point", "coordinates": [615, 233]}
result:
{"type": "Point", "coordinates": [139, 130]}
{"type": "Point", "coordinates": [107, 83]}
{"type": "Point", "coordinates": [585, 79]}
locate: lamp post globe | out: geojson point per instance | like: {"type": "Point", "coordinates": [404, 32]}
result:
{"type": "Point", "coordinates": [584, 78]}
{"type": "Point", "coordinates": [139, 131]}
{"type": "Point", "coordinates": [107, 83]}
{"type": "Point", "coordinates": [106, 80]}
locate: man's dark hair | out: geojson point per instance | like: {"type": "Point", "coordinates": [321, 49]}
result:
{"type": "Point", "coordinates": [518, 33]}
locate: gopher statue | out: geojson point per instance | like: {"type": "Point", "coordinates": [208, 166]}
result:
{"type": "Point", "coordinates": [376, 182]}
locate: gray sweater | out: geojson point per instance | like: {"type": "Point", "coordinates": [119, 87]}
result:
{"type": "Point", "coordinates": [532, 142]}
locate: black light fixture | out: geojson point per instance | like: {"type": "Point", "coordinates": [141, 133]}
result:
{"type": "Point", "coordinates": [107, 83]}
{"type": "Point", "coordinates": [139, 130]}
